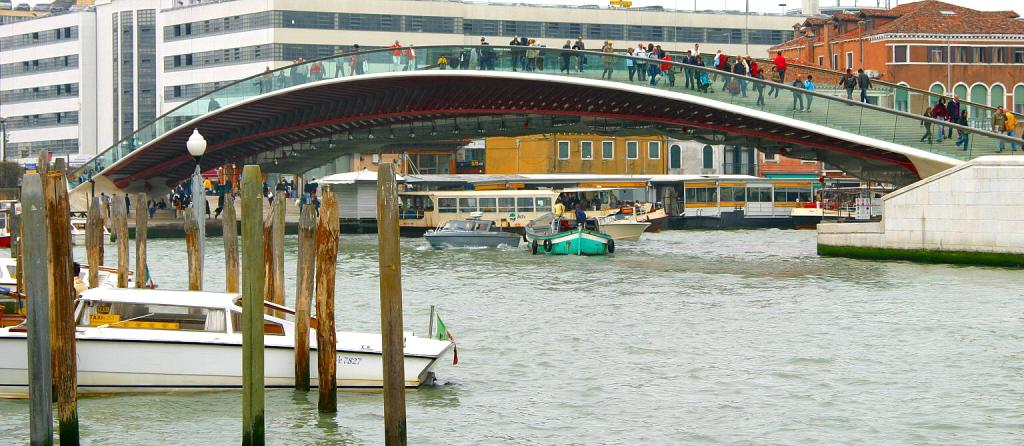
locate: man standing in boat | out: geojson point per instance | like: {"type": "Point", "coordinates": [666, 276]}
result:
{"type": "Point", "coordinates": [558, 222]}
{"type": "Point", "coordinates": [581, 216]}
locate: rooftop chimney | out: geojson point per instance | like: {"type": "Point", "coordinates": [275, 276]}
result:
{"type": "Point", "coordinates": [810, 7]}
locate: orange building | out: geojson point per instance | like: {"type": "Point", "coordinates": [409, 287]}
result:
{"type": "Point", "coordinates": [576, 154]}
{"type": "Point", "coordinates": [929, 45]}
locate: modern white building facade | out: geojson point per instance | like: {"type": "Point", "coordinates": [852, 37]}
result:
{"type": "Point", "coordinates": [138, 59]}
{"type": "Point", "coordinates": [48, 84]}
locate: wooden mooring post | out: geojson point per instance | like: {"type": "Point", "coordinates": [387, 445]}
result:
{"type": "Point", "coordinates": [94, 240]}
{"type": "Point", "coordinates": [195, 264]}
{"type": "Point", "coordinates": [390, 259]}
{"type": "Point", "coordinates": [43, 164]}
{"type": "Point", "coordinates": [275, 261]}
{"type": "Point", "coordinates": [62, 305]}
{"type": "Point", "coordinates": [303, 293]}
{"type": "Point", "coordinates": [119, 215]}
{"type": "Point", "coordinates": [327, 232]}
{"type": "Point", "coordinates": [230, 230]}
{"type": "Point", "coordinates": [35, 248]}
{"type": "Point", "coordinates": [141, 232]}
{"type": "Point", "coordinates": [17, 247]}
{"type": "Point", "coordinates": [253, 426]}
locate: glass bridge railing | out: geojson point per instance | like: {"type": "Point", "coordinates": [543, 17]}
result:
{"type": "Point", "coordinates": [895, 96]}
{"type": "Point", "coordinates": [831, 111]}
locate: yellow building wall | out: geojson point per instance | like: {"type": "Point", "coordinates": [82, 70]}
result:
{"type": "Point", "coordinates": [539, 154]}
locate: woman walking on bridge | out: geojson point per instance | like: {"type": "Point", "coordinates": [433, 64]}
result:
{"type": "Point", "coordinates": [608, 59]}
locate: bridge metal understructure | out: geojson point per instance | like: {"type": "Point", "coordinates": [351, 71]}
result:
{"type": "Point", "coordinates": [371, 104]}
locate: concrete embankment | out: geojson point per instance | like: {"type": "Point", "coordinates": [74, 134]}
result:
{"type": "Point", "coordinates": [969, 214]}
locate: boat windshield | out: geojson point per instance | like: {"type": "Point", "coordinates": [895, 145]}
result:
{"type": "Point", "coordinates": [153, 317]}
{"type": "Point", "coordinates": [460, 225]}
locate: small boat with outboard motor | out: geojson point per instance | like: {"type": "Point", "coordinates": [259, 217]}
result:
{"type": "Point", "coordinates": [471, 233]}
{"type": "Point", "coordinates": [548, 235]}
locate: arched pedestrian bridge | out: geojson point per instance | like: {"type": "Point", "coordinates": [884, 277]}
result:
{"type": "Point", "coordinates": [368, 102]}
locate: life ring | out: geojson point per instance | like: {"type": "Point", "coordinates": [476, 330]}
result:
{"type": "Point", "coordinates": [533, 247]}
{"type": "Point", "coordinates": [547, 245]}
{"type": "Point", "coordinates": [611, 246]}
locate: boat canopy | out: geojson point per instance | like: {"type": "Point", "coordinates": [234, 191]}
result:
{"type": "Point", "coordinates": [200, 299]}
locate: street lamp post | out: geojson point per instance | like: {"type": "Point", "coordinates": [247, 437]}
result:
{"type": "Point", "coordinates": [196, 146]}
{"type": "Point", "coordinates": [746, 31]}
{"type": "Point", "coordinates": [3, 139]}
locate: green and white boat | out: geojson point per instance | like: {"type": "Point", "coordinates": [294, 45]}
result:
{"type": "Point", "coordinates": [547, 237]}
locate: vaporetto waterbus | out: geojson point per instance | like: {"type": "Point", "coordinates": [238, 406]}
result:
{"type": "Point", "coordinates": [737, 201]}
{"type": "Point", "coordinates": [510, 209]}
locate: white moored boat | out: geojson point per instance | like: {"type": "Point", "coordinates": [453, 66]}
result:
{"type": "Point", "coordinates": [137, 340]}
{"type": "Point", "coordinates": [622, 227]}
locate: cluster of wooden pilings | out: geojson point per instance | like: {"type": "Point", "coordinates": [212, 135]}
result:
{"type": "Point", "coordinates": [43, 248]}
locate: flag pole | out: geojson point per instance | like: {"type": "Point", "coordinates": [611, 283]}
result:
{"type": "Point", "coordinates": [430, 327]}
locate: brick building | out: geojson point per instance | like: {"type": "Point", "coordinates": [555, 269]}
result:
{"type": "Point", "coordinates": [929, 45]}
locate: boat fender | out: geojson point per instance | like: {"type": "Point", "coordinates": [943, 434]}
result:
{"type": "Point", "coordinates": [533, 247]}
{"type": "Point", "coordinates": [611, 246]}
{"type": "Point", "coordinates": [547, 245]}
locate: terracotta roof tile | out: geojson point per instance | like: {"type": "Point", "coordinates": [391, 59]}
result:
{"type": "Point", "coordinates": [927, 17]}
{"type": "Point", "coordinates": [815, 21]}
{"type": "Point", "coordinates": [879, 13]}
{"type": "Point", "coordinates": [846, 16]}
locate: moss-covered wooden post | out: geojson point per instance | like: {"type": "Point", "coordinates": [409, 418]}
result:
{"type": "Point", "coordinates": [304, 293]}
{"type": "Point", "coordinates": [327, 233]}
{"type": "Point", "coordinates": [35, 248]}
{"type": "Point", "coordinates": [252, 307]}
{"type": "Point", "coordinates": [230, 227]}
{"type": "Point", "coordinates": [94, 241]}
{"type": "Point", "coordinates": [277, 249]}
{"type": "Point", "coordinates": [119, 214]}
{"type": "Point", "coordinates": [62, 301]}
{"type": "Point", "coordinates": [141, 233]}
{"type": "Point", "coordinates": [390, 260]}
{"type": "Point", "coordinates": [194, 251]}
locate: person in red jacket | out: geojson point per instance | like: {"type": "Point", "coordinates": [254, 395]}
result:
{"type": "Point", "coordinates": [780, 67]}
{"type": "Point", "coordinates": [396, 55]}
{"type": "Point", "coordinates": [666, 70]}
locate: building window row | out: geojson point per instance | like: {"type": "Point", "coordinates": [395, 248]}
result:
{"type": "Point", "coordinates": [39, 38]}
{"type": "Point", "coordinates": [249, 54]}
{"type": "Point", "coordinates": [39, 93]}
{"type": "Point", "coordinates": [230, 56]}
{"type": "Point", "coordinates": [42, 120]}
{"type": "Point", "coordinates": [56, 147]}
{"type": "Point", "coordinates": [39, 66]}
{"type": "Point", "coordinates": [474, 27]}
{"type": "Point", "coordinates": [190, 91]}
{"type": "Point", "coordinates": [586, 150]}
{"type": "Point", "coordinates": [941, 54]}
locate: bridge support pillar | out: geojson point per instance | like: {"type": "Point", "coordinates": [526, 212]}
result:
{"type": "Point", "coordinates": [969, 214]}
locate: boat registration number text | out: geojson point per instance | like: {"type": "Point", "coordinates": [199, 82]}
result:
{"type": "Point", "coordinates": [348, 360]}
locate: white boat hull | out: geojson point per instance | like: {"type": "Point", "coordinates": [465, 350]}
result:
{"type": "Point", "coordinates": [624, 230]}
{"type": "Point", "coordinates": [123, 365]}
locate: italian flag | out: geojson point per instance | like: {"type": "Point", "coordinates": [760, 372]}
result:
{"type": "Point", "coordinates": [442, 333]}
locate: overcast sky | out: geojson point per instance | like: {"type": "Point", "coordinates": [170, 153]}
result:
{"type": "Point", "coordinates": [773, 5]}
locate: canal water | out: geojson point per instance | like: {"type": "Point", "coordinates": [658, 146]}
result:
{"type": "Point", "coordinates": [688, 337]}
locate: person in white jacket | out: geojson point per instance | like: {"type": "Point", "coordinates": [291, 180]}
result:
{"type": "Point", "coordinates": [641, 63]}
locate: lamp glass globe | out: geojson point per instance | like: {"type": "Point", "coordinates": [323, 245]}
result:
{"type": "Point", "coordinates": [196, 144]}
